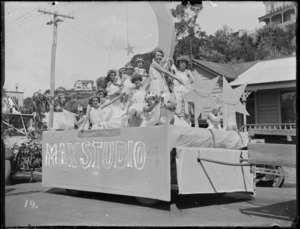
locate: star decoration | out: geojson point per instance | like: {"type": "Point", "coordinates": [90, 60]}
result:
{"type": "Point", "coordinates": [200, 94]}
{"type": "Point", "coordinates": [231, 101]}
{"type": "Point", "coordinates": [129, 49]}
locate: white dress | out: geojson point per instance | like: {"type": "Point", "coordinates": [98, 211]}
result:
{"type": "Point", "coordinates": [138, 100]}
{"type": "Point", "coordinates": [97, 118]}
{"type": "Point", "coordinates": [112, 90]}
{"type": "Point", "coordinates": [158, 85]}
{"type": "Point", "coordinates": [128, 85]}
{"type": "Point", "coordinates": [180, 90]}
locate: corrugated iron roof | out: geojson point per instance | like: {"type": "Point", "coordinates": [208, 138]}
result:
{"type": "Point", "coordinates": [229, 71]}
{"type": "Point", "coordinates": [276, 70]}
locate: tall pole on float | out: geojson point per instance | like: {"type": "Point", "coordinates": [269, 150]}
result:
{"type": "Point", "coordinates": [53, 55]}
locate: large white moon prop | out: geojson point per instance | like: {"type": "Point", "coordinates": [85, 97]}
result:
{"type": "Point", "coordinates": [166, 29]}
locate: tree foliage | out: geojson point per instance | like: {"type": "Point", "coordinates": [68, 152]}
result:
{"type": "Point", "coordinates": [273, 41]}
{"type": "Point", "coordinates": [227, 46]}
{"type": "Point", "coordinates": [186, 16]}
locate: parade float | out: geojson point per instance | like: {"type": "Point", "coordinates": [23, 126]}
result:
{"type": "Point", "coordinates": [149, 162]}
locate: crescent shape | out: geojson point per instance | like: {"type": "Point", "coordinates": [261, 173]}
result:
{"type": "Point", "coordinates": [166, 29]}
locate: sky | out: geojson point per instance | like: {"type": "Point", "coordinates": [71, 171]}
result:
{"type": "Point", "coordinates": [95, 40]}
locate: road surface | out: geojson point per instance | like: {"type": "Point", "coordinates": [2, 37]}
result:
{"type": "Point", "coordinates": [31, 204]}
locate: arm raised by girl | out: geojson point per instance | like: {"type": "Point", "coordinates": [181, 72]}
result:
{"type": "Point", "coordinates": [191, 76]}
{"type": "Point", "coordinates": [161, 69]}
{"type": "Point", "coordinates": [112, 101]}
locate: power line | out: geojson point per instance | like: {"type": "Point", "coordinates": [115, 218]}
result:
{"type": "Point", "coordinates": [21, 18]}
{"type": "Point", "coordinates": [74, 28]}
{"type": "Point", "coordinates": [30, 32]}
{"type": "Point", "coordinates": [85, 9]}
{"type": "Point", "coordinates": [114, 36]}
{"type": "Point", "coordinates": [25, 20]}
{"type": "Point", "coordinates": [80, 38]}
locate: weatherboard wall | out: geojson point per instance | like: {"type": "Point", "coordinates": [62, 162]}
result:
{"type": "Point", "coordinates": [268, 106]}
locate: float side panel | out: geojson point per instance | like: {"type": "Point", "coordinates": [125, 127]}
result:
{"type": "Point", "coordinates": [129, 161]}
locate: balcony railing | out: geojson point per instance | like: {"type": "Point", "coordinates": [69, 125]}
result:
{"type": "Point", "coordinates": [286, 129]}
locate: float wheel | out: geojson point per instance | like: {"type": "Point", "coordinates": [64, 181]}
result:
{"type": "Point", "coordinates": [279, 180]}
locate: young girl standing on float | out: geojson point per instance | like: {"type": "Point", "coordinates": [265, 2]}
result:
{"type": "Point", "coordinates": [128, 86]}
{"type": "Point", "coordinates": [140, 68]}
{"type": "Point", "coordinates": [158, 85]}
{"type": "Point", "coordinates": [113, 84]}
{"type": "Point", "coordinates": [137, 101]}
{"type": "Point", "coordinates": [183, 109]}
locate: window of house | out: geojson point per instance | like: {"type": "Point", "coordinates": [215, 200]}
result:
{"type": "Point", "coordinates": [288, 106]}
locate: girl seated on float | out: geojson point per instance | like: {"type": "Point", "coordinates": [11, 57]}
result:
{"type": "Point", "coordinates": [96, 114]}
{"type": "Point", "coordinates": [151, 111]}
{"type": "Point", "coordinates": [137, 100]}
{"type": "Point", "coordinates": [80, 119]}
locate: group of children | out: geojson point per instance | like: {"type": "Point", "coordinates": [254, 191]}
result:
{"type": "Point", "coordinates": [137, 98]}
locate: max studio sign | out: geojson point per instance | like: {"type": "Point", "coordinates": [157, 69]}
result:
{"type": "Point", "coordinates": [96, 154]}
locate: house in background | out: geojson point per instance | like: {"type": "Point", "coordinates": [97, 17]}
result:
{"type": "Point", "coordinates": [279, 13]}
{"type": "Point", "coordinates": [272, 88]}
{"type": "Point", "coordinates": [84, 85]}
{"type": "Point", "coordinates": [270, 92]}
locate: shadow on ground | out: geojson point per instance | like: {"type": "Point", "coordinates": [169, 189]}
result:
{"type": "Point", "coordinates": [280, 211]}
{"type": "Point", "coordinates": [202, 200]}
{"type": "Point", "coordinates": [180, 201]}
{"type": "Point", "coordinates": [24, 177]}
{"type": "Point", "coordinates": [7, 190]}
{"type": "Point", "coordinates": [23, 193]}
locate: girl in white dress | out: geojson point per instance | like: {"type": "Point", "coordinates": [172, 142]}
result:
{"type": "Point", "coordinates": [140, 68]}
{"type": "Point", "coordinates": [183, 109]}
{"type": "Point", "coordinates": [151, 110]}
{"type": "Point", "coordinates": [158, 85]}
{"type": "Point", "coordinates": [81, 117]}
{"type": "Point", "coordinates": [96, 114]}
{"type": "Point", "coordinates": [128, 86]}
{"type": "Point", "coordinates": [137, 101]}
{"type": "Point", "coordinates": [113, 84]}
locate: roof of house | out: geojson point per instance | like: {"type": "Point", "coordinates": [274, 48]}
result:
{"type": "Point", "coordinates": [85, 81]}
{"type": "Point", "coordinates": [269, 71]}
{"type": "Point", "coordinates": [229, 71]}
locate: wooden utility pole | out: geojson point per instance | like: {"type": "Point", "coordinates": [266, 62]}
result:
{"type": "Point", "coordinates": [53, 55]}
